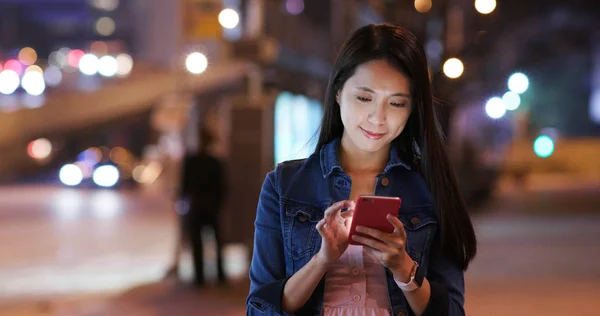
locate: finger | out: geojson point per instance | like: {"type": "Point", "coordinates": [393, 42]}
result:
{"type": "Point", "coordinates": [320, 225]}
{"type": "Point", "coordinates": [347, 214]}
{"type": "Point", "coordinates": [398, 226]}
{"type": "Point", "coordinates": [321, 228]}
{"type": "Point", "coordinates": [373, 252]}
{"type": "Point", "coordinates": [375, 233]}
{"type": "Point", "coordinates": [332, 211]}
{"type": "Point", "coordinates": [373, 243]}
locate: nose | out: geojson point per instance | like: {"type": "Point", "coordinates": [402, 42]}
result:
{"type": "Point", "coordinates": [378, 115]}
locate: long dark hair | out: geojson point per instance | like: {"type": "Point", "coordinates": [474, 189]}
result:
{"type": "Point", "coordinates": [422, 137]}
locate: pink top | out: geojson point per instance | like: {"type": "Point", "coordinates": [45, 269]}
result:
{"type": "Point", "coordinates": [356, 285]}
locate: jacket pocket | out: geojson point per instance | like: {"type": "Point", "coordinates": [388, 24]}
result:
{"type": "Point", "coordinates": [300, 230]}
{"type": "Point", "coordinates": [420, 224]}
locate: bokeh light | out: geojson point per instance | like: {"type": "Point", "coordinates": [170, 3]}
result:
{"type": "Point", "coordinates": [453, 68]}
{"type": "Point", "coordinates": [35, 68]}
{"type": "Point", "coordinates": [196, 63]}
{"type": "Point", "coordinates": [124, 65]}
{"type": "Point", "coordinates": [99, 48]}
{"type": "Point", "coordinates": [74, 57]}
{"type": "Point", "coordinates": [511, 100]}
{"type": "Point", "coordinates": [105, 26]}
{"type": "Point", "coordinates": [28, 56]}
{"type": "Point", "coordinates": [485, 6]}
{"type": "Point", "coordinates": [33, 83]}
{"type": "Point", "coordinates": [495, 108]}
{"type": "Point", "coordinates": [14, 65]}
{"type": "Point", "coordinates": [9, 81]}
{"type": "Point", "coordinates": [294, 7]}
{"type": "Point", "coordinates": [108, 66]}
{"type": "Point", "coordinates": [90, 156]}
{"type": "Point", "coordinates": [120, 156]}
{"type": "Point", "coordinates": [543, 146]}
{"type": "Point", "coordinates": [107, 5]}
{"type": "Point", "coordinates": [423, 6]}
{"type": "Point", "coordinates": [106, 176]}
{"type": "Point", "coordinates": [53, 76]}
{"type": "Point", "coordinates": [88, 65]}
{"type": "Point", "coordinates": [70, 175]}
{"type": "Point", "coordinates": [39, 149]}
{"type": "Point", "coordinates": [518, 82]}
{"type": "Point", "coordinates": [229, 18]}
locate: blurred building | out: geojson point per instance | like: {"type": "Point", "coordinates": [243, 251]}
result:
{"type": "Point", "coordinates": [144, 75]}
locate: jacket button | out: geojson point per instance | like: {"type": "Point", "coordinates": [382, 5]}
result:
{"type": "Point", "coordinates": [401, 314]}
{"type": "Point", "coordinates": [303, 218]}
{"type": "Point", "coordinates": [415, 220]}
{"type": "Point", "coordinates": [385, 182]}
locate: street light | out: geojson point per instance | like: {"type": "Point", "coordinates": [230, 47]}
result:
{"type": "Point", "coordinates": [70, 175]}
{"type": "Point", "coordinates": [423, 6]}
{"type": "Point", "coordinates": [543, 146]}
{"type": "Point", "coordinates": [518, 83]}
{"type": "Point", "coordinates": [196, 63]}
{"type": "Point", "coordinates": [453, 68]}
{"type": "Point", "coordinates": [512, 100]}
{"type": "Point", "coordinates": [495, 108]}
{"type": "Point", "coordinates": [39, 149]}
{"type": "Point", "coordinates": [485, 6]}
{"type": "Point", "coordinates": [229, 18]}
{"type": "Point", "coordinates": [9, 81]}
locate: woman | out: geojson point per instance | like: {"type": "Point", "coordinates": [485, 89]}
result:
{"type": "Point", "coordinates": [379, 135]}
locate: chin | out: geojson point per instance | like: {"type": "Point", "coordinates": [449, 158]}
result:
{"type": "Point", "coordinates": [370, 145]}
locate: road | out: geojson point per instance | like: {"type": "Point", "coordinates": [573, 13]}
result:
{"type": "Point", "coordinates": [100, 252]}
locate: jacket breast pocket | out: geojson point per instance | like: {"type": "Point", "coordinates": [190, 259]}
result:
{"type": "Point", "coordinates": [300, 229]}
{"type": "Point", "coordinates": [420, 225]}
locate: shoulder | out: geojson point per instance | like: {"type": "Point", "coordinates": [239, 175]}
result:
{"type": "Point", "coordinates": [299, 171]}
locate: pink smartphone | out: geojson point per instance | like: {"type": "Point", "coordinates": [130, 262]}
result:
{"type": "Point", "coordinates": [371, 211]}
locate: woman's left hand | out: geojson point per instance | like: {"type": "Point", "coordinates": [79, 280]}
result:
{"type": "Point", "coordinates": [389, 249]}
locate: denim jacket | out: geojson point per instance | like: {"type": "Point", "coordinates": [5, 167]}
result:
{"type": "Point", "coordinates": [293, 199]}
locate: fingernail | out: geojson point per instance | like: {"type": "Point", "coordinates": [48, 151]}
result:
{"type": "Point", "coordinates": [354, 237]}
{"type": "Point", "coordinates": [359, 229]}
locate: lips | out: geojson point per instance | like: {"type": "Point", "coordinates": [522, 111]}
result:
{"type": "Point", "coordinates": [371, 135]}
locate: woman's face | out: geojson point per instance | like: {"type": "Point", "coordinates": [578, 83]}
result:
{"type": "Point", "coordinates": [375, 104]}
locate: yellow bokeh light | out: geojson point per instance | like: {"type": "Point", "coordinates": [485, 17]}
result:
{"type": "Point", "coordinates": [28, 56]}
{"type": "Point", "coordinates": [423, 6]}
{"type": "Point", "coordinates": [34, 68]}
{"type": "Point", "coordinates": [453, 68]}
{"type": "Point", "coordinates": [485, 6]}
{"type": "Point", "coordinates": [99, 48]}
{"type": "Point", "coordinates": [229, 18]}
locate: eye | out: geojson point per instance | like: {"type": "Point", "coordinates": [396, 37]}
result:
{"type": "Point", "coordinates": [398, 105]}
{"type": "Point", "coordinates": [363, 99]}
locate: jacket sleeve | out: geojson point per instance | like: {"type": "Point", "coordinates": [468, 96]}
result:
{"type": "Point", "coordinates": [447, 284]}
{"type": "Point", "coordinates": [267, 269]}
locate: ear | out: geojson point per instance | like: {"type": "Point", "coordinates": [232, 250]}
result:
{"type": "Point", "coordinates": [337, 97]}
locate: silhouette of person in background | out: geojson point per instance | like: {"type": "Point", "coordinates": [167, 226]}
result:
{"type": "Point", "coordinates": [203, 187]}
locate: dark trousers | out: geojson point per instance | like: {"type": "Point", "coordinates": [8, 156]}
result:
{"type": "Point", "coordinates": [195, 222]}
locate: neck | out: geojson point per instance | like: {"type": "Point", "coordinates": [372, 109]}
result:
{"type": "Point", "coordinates": [355, 160]}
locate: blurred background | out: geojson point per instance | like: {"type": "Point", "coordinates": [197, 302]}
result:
{"type": "Point", "coordinates": [101, 99]}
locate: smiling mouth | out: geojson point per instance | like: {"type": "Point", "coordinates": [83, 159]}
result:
{"type": "Point", "coordinates": [371, 135]}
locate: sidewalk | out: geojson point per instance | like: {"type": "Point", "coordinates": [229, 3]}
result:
{"type": "Point", "coordinates": [166, 298]}
{"type": "Point", "coordinates": [155, 299]}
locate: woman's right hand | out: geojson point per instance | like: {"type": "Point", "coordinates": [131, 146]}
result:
{"type": "Point", "coordinates": [334, 229]}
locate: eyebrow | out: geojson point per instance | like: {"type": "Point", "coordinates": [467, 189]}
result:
{"type": "Point", "coordinates": [399, 94]}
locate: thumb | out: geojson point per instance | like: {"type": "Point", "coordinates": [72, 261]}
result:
{"type": "Point", "coordinates": [348, 214]}
{"type": "Point", "coordinates": [321, 228]}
